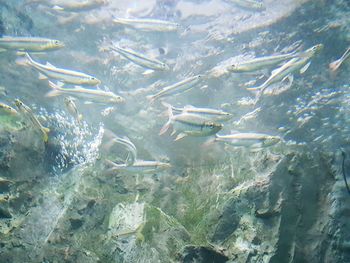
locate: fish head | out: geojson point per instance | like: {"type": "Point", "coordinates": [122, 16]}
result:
{"type": "Point", "coordinates": [165, 67]}
{"type": "Point", "coordinates": [117, 99]}
{"type": "Point", "coordinates": [226, 116]}
{"type": "Point", "coordinates": [271, 140]}
{"type": "Point", "coordinates": [8, 109]}
{"type": "Point", "coordinates": [236, 67]}
{"type": "Point", "coordinates": [92, 81]}
{"type": "Point", "coordinates": [213, 127]}
{"type": "Point", "coordinates": [314, 50]}
{"type": "Point", "coordinates": [19, 104]}
{"type": "Point", "coordinates": [55, 44]}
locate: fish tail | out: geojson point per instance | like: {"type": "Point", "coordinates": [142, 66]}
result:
{"type": "Point", "coordinates": [24, 59]}
{"type": "Point", "coordinates": [168, 123]}
{"type": "Point", "coordinates": [55, 92]}
{"type": "Point", "coordinates": [151, 98]}
{"type": "Point", "coordinates": [45, 134]}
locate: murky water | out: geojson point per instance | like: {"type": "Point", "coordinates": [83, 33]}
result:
{"type": "Point", "coordinates": [111, 185]}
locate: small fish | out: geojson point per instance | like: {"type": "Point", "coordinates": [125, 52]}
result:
{"type": "Point", "coordinates": [210, 114]}
{"type": "Point", "coordinates": [76, 6]}
{"type": "Point", "coordinates": [148, 24]}
{"type": "Point", "coordinates": [126, 143]}
{"type": "Point", "coordinates": [260, 63]}
{"type": "Point", "coordinates": [28, 114]}
{"type": "Point", "coordinates": [140, 59]}
{"type": "Point", "coordinates": [144, 167]}
{"type": "Point", "coordinates": [72, 109]}
{"type": "Point", "coordinates": [179, 87]}
{"type": "Point", "coordinates": [252, 140]}
{"type": "Point", "coordinates": [64, 75]}
{"type": "Point", "coordinates": [190, 125]}
{"type": "Point", "coordinates": [301, 63]}
{"type": "Point", "coordinates": [29, 44]}
{"type": "Point", "coordinates": [95, 95]}
{"type": "Point", "coordinates": [337, 63]}
{"type": "Point", "coordinates": [249, 4]}
{"type": "Point", "coordinates": [6, 109]}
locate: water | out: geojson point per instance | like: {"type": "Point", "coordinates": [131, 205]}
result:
{"type": "Point", "coordinates": [283, 202]}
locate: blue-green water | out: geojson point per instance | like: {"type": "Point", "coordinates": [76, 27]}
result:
{"type": "Point", "coordinates": [206, 201]}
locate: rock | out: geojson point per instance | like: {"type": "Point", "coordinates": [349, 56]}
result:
{"type": "Point", "coordinates": [193, 254]}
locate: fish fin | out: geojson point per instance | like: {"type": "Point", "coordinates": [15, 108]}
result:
{"type": "Point", "coordinates": [148, 72]}
{"type": "Point", "coordinates": [60, 84]}
{"type": "Point", "coordinates": [58, 8]}
{"type": "Point", "coordinates": [54, 92]}
{"type": "Point", "coordinates": [168, 123]}
{"type": "Point", "coordinates": [19, 53]}
{"type": "Point", "coordinates": [210, 142]}
{"type": "Point", "coordinates": [303, 69]}
{"type": "Point", "coordinates": [49, 65]}
{"type": "Point", "coordinates": [42, 76]}
{"type": "Point", "coordinates": [165, 128]}
{"type": "Point", "coordinates": [180, 136]}
{"type": "Point", "coordinates": [46, 134]}
{"type": "Point", "coordinates": [22, 61]}
{"type": "Point", "coordinates": [173, 132]}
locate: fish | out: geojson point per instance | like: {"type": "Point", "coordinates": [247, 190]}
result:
{"type": "Point", "coordinates": [252, 140]}
{"type": "Point", "coordinates": [140, 59]}
{"type": "Point", "coordinates": [260, 63]}
{"type": "Point", "coordinates": [95, 95]}
{"type": "Point", "coordinates": [28, 114]}
{"type": "Point", "coordinates": [72, 109]}
{"type": "Point", "coordinates": [29, 44]}
{"type": "Point", "coordinates": [190, 125]}
{"type": "Point", "coordinates": [66, 76]}
{"type": "Point", "coordinates": [249, 4]}
{"type": "Point", "coordinates": [333, 66]}
{"type": "Point", "coordinates": [148, 24]}
{"type": "Point", "coordinates": [301, 63]}
{"type": "Point", "coordinates": [126, 143]}
{"type": "Point", "coordinates": [70, 5]}
{"type": "Point", "coordinates": [211, 114]}
{"type": "Point", "coordinates": [6, 109]}
{"type": "Point", "coordinates": [179, 87]}
{"type": "Point", "coordinates": [139, 166]}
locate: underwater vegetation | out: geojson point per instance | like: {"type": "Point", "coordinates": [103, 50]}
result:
{"type": "Point", "coordinates": [174, 131]}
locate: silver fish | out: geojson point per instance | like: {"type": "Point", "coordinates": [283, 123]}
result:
{"type": "Point", "coordinates": [144, 167]}
{"type": "Point", "coordinates": [260, 63]}
{"type": "Point", "coordinates": [29, 44]}
{"type": "Point", "coordinates": [64, 75]}
{"type": "Point", "coordinates": [72, 109]}
{"type": "Point", "coordinates": [252, 140]}
{"type": "Point", "coordinates": [337, 63]}
{"type": "Point", "coordinates": [148, 24]}
{"type": "Point", "coordinates": [298, 63]}
{"type": "Point", "coordinates": [190, 125]}
{"type": "Point", "coordinates": [210, 114]}
{"type": "Point", "coordinates": [140, 59]}
{"type": "Point", "coordinates": [95, 95]}
{"type": "Point", "coordinates": [6, 109]}
{"type": "Point", "coordinates": [179, 87]}
{"type": "Point", "coordinates": [28, 114]}
{"type": "Point", "coordinates": [125, 142]}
